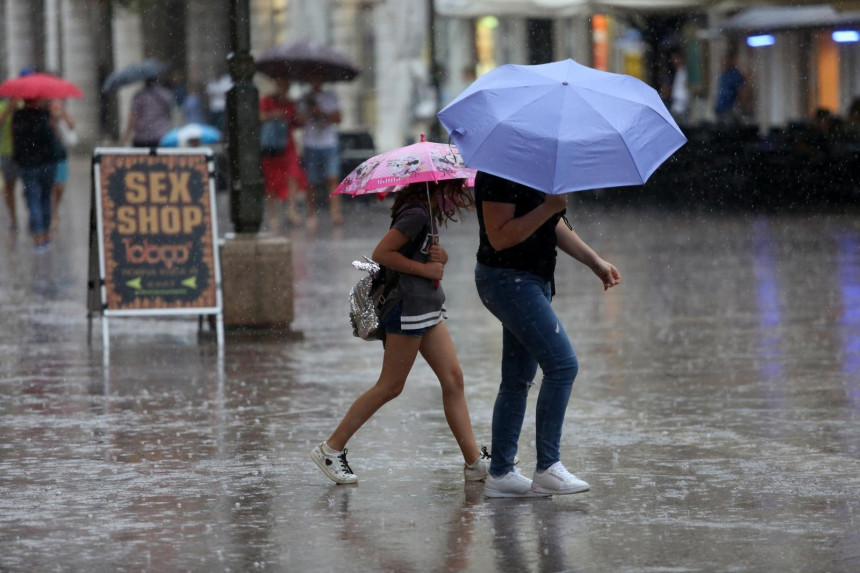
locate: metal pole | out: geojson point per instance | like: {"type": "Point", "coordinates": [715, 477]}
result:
{"type": "Point", "coordinates": [243, 126]}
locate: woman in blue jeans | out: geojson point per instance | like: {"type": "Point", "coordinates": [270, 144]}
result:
{"type": "Point", "coordinates": [520, 230]}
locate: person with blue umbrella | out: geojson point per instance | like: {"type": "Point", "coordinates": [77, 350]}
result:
{"type": "Point", "coordinates": [535, 133]}
{"type": "Point", "coordinates": [521, 230]}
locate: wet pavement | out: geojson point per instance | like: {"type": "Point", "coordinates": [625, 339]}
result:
{"type": "Point", "coordinates": [715, 414]}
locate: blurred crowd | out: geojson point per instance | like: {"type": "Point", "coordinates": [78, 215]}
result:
{"type": "Point", "coordinates": [168, 111]}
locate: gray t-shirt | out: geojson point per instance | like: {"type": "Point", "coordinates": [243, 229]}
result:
{"type": "Point", "coordinates": [319, 134]}
{"type": "Point", "coordinates": [423, 303]}
{"type": "Point", "coordinates": [152, 107]}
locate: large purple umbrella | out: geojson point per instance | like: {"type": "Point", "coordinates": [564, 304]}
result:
{"type": "Point", "coordinates": [302, 61]}
{"type": "Point", "coordinates": [562, 127]}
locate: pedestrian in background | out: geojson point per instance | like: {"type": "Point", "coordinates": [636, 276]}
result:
{"type": "Point", "coordinates": [732, 90]}
{"type": "Point", "coordinates": [35, 151]}
{"type": "Point", "coordinates": [283, 175]}
{"type": "Point", "coordinates": [216, 90]}
{"type": "Point", "coordinates": [321, 111]}
{"type": "Point", "coordinates": [151, 115]}
{"type": "Point", "coordinates": [7, 162]}
{"type": "Point", "coordinates": [520, 230]}
{"type": "Point", "coordinates": [192, 105]}
{"type": "Point", "coordinates": [64, 127]}
{"type": "Point", "coordinates": [414, 324]}
{"type": "Point", "coordinates": [679, 98]}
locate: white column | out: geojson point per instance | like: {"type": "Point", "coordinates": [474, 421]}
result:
{"type": "Point", "coordinates": [268, 23]}
{"type": "Point", "coordinates": [344, 40]}
{"type": "Point", "coordinates": [400, 34]}
{"type": "Point", "coordinates": [574, 39]}
{"type": "Point", "coordinates": [127, 49]}
{"type": "Point", "coordinates": [207, 39]}
{"type": "Point", "coordinates": [849, 76]}
{"type": "Point", "coordinates": [762, 79]}
{"type": "Point", "coordinates": [18, 35]}
{"type": "Point", "coordinates": [78, 54]}
{"type": "Point", "coordinates": [512, 41]}
{"type": "Point", "coordinates": [53, 37]}
{"type": "Point", "coordinates": [308, 20]}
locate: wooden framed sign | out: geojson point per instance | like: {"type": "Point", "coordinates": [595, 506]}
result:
{"type": "Point", "coordinates": [157, 233]}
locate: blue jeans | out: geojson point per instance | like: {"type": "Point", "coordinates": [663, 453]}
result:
{"type": "Point", "coordinates": [321, 163]}
{"type": "Point", "coordinates": [38, 182]}
{"type": "Point", "coordinates": [532, 335]}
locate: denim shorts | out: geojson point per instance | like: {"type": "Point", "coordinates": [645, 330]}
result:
{"type": "Point", "coordinates": [391, 323]}
{"type": "Point", "coordinates": [62, 172]}
{"type": "Point", "coordinates": [321, 164]}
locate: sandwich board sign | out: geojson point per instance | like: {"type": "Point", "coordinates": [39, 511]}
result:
{"type": "Point", "coordinates": [153, 235]}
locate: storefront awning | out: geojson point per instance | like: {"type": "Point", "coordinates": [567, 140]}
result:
{"type": "Point", "coordinates": [532, 8]}
{"type": "Point", "coordinates": [771, 18]}
{"type": "Point", "coordinates": [554, 8]}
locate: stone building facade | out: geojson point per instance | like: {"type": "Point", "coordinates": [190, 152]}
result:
{"type": "Point", "coordinates": [393, 98]}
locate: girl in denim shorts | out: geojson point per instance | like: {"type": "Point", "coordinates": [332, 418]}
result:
{"type": "Point", "coordinates": [415, 324]}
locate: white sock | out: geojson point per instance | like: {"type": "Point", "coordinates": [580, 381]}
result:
{"type": "Point", "coordinates": [330, 452]}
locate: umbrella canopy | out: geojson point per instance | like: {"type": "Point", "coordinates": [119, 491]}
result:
{"type": "Point", "coordinates": [181, 136]}
{"type": "Point", "coordinates": [39, 86]}
{"type": "Point", "coordinates": [562, 127]}
{"type": "Point", "coordinates": [146, 70]}
{"type": "Point", "coordinates": [301, 61]}
{"type": "Point", "coordinates": [392, 170]}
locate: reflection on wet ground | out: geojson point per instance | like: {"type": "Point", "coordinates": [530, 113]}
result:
{"type": "Point", "coordinates": [715, 415]}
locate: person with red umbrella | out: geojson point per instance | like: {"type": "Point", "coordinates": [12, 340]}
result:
{"type": "Point", "coordinates": [35, 149]}
{"type": "Point", "coordinates": [36, 142]}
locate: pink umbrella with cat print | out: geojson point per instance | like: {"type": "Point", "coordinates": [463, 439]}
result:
{"type": "Point", "coordinates": [391, 171]}
{"type": "Point", "coordinates": [424, 161]}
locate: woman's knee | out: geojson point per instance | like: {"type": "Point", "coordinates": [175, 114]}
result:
{"type": "Point", "coordinates": [452, 381]}
{"type": "Point", "coordinates": [564, 370]}
{"type": "Point", "coordinates": [388, 390]}
{"type": "Point", "coordinates": [515, 386]}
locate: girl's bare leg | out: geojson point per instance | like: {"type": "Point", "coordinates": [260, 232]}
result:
{"type": "Point", "coordinates": [312, 209]}
{"type": "Point", "coordinates": [437, 348]}
{"type": "Point", "coordinates": [400, 354]}
{"type": "Point", "coordinates": [292, 212]}
{"type": "Point", "coordinates": [56, 196]}
{"type": "Point", "coordinates": [273, 213]}
{"type": "Point", "coordinates": [9, 193]}
{"type": "Point", "coordinates": [334, 201]}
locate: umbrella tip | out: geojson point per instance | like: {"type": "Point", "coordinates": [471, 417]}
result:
{"type": "Point", "coordinates": [423, 137]}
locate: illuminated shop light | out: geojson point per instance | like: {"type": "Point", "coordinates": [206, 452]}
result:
{"type": "Point", "coordinates": [759, 41]}
{"type": "Point", "coordinates": [846, 36]}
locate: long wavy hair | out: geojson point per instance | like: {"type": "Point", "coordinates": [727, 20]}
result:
{"type": "Point", "coordinates": [449, 199]}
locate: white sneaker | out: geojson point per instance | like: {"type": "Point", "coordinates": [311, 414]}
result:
{"type": "Point", "coordinates": [556, 479]}
{"type": "Point", "coordinates": [333, 465]}
{"type": "Point", "coordinates": [512, 484]}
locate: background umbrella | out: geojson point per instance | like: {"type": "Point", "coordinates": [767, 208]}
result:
{"type": "Point", "coordinates": [300, 61]}
{"type": "Point", "coordinates": [562, 127]}
{"type": "Point", "coordinates": [146, 70]}
{"type": "Point", "coordinates": [39, 86]}
{"type": "Point", "coordinates": [180, 136]}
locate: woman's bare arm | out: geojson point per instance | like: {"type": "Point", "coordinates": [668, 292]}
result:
{"type": "Point", "coordinates": [505, 231]}
{"type": "Point", "coordinates": [570, 243]}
